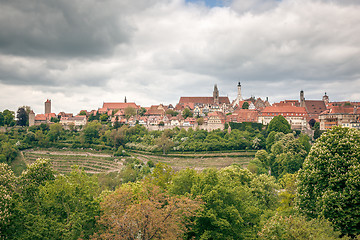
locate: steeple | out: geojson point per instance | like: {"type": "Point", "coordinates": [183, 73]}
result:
{"type": "Point", "coordinates": [216, 95]}
{"type": "Point", "coordinates": [125, 101]}
{"type": "Point", "coordinates": [238, 97]}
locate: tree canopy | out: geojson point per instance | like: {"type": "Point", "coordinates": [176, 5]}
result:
{"type": "Point", "coordinates": [279, 124]}
{"type": "Point", "coordinates": [329, 181]}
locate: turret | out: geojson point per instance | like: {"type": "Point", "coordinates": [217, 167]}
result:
{"type": "Point", "coordinates": [48, 106]}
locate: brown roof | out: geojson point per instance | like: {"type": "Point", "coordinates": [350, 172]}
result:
{"type": "Point", "coordinates": [315, 106]}
{"type": "Point", "coordinates": [203, 100]}
{"type": "Point", "coordinates": [243, 115]}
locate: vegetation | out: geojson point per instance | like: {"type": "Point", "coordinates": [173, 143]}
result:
{"type": "Point", "coordinates": [329, 180]}
{"type": "Point", "coordinates": [245, 182]}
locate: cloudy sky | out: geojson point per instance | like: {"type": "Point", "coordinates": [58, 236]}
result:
{"type": "Point", "coordinates": [81, 53]}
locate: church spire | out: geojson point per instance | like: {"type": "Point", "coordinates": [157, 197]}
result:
{"type": "Point", "coordinates": [125, 101]}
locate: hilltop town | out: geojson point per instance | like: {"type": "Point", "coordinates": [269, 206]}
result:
{"type": "Point", "coordinates": [212, 112]}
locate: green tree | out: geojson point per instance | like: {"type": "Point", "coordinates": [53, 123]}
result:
{"type": "Point", "coordinates": [279, 124]}
{"type": "Point", "coordinates": [22, 116]}
{"type": "Point", "coordinates": [2, 119]}
{"type": "Point", "coordinates": [9, 117]}
{"type": "Point", "coordinates": [7, 191]}
{"type": "Point", "coordinates": [104, 118]}
{"type": "Point", "coordinates": [69, 206]}
{"type": "Point", "coordinates": [329, 181]}
{"type": "Point", "coordinates": [82, 113]}
{"type": "Point", "coordinates": [8, 152]}
{"type": "Point", "coordinates": [245, 105]}
{"type": "Point", "coordinates": [142, 111]}
{"type": "Point", "coordinates": [54, 120]}
{"type": "Point", "coordinates": [172, 112]}
{"type": "Point", "coordinates": [91, 131]}
{"type": "Point", "coordinates": [55, 131]}
{"type": "Point", "coordinates": [129, 112]}
{"type": "Point", "coordinates": [164, 143]}
{"type": "Point", "coordinates": [187, 113]}
{"type": "Point", "coordinates": [297, 227]}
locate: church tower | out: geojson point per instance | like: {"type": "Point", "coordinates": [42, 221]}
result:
{"type": "Point", "coordinates": [302, 99]}
{"type": "Point", "coordinates": [238, 97]}
{"type": "Point", "coordinates": [216, 95]}
{"type": "Point", "coordinates": [48, 106]}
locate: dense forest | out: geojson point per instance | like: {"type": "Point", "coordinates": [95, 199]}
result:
{"type": "Point", "coordinates": [294, 187]}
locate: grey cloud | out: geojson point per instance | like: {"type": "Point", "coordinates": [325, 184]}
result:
{"type": "Point", "coordinates": [64, 28]}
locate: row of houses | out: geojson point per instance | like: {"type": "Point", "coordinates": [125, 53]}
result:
{"type": "Point", "coordinates": [213, 112]}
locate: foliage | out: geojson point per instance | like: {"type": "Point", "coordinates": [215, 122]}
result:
{"type": "Point", "coordinates": [234, 200]}
{"type": "Point", "coordinates": [296, 227]}
{"type": "Point", "coordinates": [164, 143]}
{"type": "Point", "coordinates": [186, 113]}
{"type": "Point", "coordinates": [54, 120]}
{"type": "Point", "coordinates": [8, 118]}
{"type": "Point", "coordinates": [279, 124]}
{"type": "Point", "coordinates": [286, 154]}
{"type": "Point", "coordinates": [172, 112]}
{"type": "Point", "coordinates": [71, 205]}
{"type": "Point", "coordinates": [7, 190]}
{"type": "Point", "coordinates": [144, 211]}
{"type": "Point", "coordinates": [142, 111]}
{"type": "Point", "coordinates": [329, 181]}
{"type": "Point", "coordinates": [129, 112]}
{"type": "Point", "coordinates": [8, 152]}
{"type": "Point", "coordinates": [245, 105]}
{"type": "Point", "coordinates": [22, 116]}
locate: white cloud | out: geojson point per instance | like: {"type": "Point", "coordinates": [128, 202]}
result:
{"type": "Point", "coordinates": [156, 51]}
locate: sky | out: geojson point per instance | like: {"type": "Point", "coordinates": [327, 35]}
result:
{"type": "Point", "coordinates": [82, 53]}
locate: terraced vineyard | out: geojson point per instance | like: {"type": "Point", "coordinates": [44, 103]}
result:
{"type": "Point", "coordinates": [199, 161]}
{"type": "Point", "coordinates": [62, 161]}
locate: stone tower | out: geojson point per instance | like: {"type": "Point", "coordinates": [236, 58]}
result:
{"type": "Point", "coordinates": [31, 118]}
{"type": "Point", "coordinates": [302, 99]}
{"type": "Point", "coordinates": [48, 106]}
{"type": "Point", "coordinates": [216, 95]}
{"type": "Point", "coordinates": [326, 99]}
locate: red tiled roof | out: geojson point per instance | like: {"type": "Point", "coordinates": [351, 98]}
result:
{"type": "Point", "coordinates": [114, 105]}
{"type": "Point", "coordinates": [315, 106]}
{"type": "Point", "coordinates": [342, 109]}
{"type": "Point", "coordinates": [40, 117]}
{"type": "Point", "coordinates": [287, 103]}
{"type": "Point", "coordinates": [203, 100]}
{"type": "Point", "coordinates": [283, 110]}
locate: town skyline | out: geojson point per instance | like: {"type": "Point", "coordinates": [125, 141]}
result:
{"type": "Point", "coordinates": [81, 54]}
